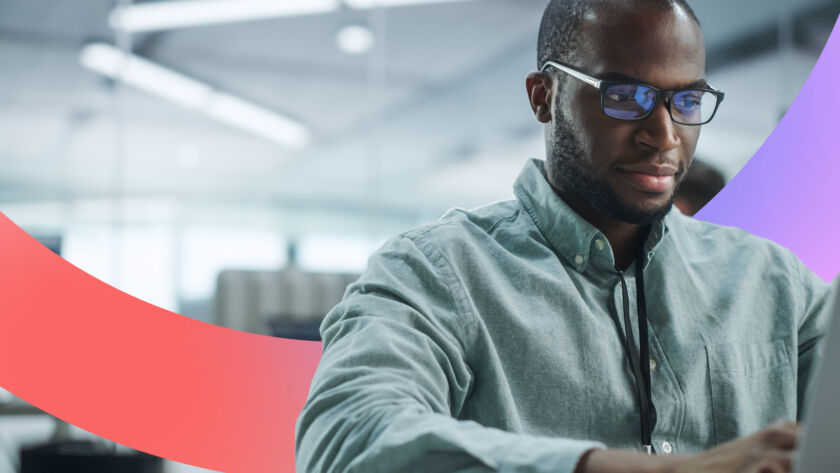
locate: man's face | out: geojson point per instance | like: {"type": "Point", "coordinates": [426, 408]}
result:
{"type": "Point", "coordinates": [627, 170]}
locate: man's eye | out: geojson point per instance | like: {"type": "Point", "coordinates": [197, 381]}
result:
{"type": "Point", "coordinates": [689, 102]}
{"type": "Point", "coordinates": [617, 97]}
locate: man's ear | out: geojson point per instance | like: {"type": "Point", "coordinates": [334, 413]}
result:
{"type": "Point", "coordinates": [538, 85]}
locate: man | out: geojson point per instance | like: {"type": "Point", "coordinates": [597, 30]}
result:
{"type": "Point", "coordinates": [507, 338]}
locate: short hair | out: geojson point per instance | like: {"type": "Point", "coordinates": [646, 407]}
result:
{"type": "Point", "coordinates": [559, 38]}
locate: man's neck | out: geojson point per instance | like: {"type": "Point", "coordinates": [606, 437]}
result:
{"type": "Point", "coordinates": [625, 238]}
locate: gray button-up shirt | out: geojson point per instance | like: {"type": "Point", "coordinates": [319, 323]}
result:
{"type": "Point", "coordinates": [491, 340]}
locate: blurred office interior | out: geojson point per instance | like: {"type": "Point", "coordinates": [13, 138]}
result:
{"type": "Point", "coordinates": [235, 161]}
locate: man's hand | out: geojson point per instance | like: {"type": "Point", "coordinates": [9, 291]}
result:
{"type": "Point", "coordinates": [769, 450]}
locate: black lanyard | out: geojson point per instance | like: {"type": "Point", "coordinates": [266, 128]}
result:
{"type": "Point", "coordinates": [640, 364]}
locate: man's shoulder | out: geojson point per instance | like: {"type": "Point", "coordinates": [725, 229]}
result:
{"type": "Point", "coordinates": [460, 224]}
{"type": "Point", "coordinates": [440, 247]}
{"type": "Point", "coordinates": [703, 229]}
{"type": "Point", "coordinates": [461, 234]}
{"type": "Point", "coordinates": [711, 237]}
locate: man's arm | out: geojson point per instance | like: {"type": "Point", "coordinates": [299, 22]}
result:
{"type": "Point", "coordinates": [812, 325]}
{"type": "Point", "coordinates": [770, 450]}
{"type": "Point", "coordinates": [394, 377]}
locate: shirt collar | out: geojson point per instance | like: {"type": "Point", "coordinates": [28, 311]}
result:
{"type": "Point", "coordinates": [576, 241]}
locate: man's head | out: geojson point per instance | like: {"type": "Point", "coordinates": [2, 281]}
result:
{"type": "Point", "coordinates": [616, 168]}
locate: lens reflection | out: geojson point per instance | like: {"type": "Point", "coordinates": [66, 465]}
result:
{"type": "Point", "coordinates": [634, 101]}
{"type": "Point", "coordinates": [628, 101]}
{"type": "Point", "coordinates": [693, 106]}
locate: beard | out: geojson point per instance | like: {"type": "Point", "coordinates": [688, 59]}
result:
{"type": "Point", "coordinates": [571, 171]}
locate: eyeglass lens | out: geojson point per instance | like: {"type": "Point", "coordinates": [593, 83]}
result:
{"type": "Point", "coordinates": [633, 101]}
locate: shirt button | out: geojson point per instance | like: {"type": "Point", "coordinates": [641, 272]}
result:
{"type": "Point", "coordinates": [652, 364]}
{"type": "Point", "coordinates": [578, 259]}
{"type": "Point", "coordinates": [599, 243]}
{"type": "Point", "coordinates": [666, 448]}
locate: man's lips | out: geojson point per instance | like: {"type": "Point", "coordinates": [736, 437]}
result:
{"type": "Point", "coordinates": [649, 177]}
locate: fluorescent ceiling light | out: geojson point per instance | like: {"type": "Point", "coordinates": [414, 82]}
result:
{"type": "Point", "coordinates": [178, 88]}
{"type": "Point", "coordinates": [354, 39]}
{"type": "Point", "coordinates": [240, 113]}
{"type": "Point", "coordinates": [363, 4]}
{"type": "Point", "coordinates": [163, 15]}
{"type": "Point", "coordinates": [144, 74]}
{"type": "Point", "coordinates": [185, 13]}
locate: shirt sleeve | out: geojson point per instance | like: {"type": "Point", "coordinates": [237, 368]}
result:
{"type": "Point", "coordinates": [813, 324]}
{"type": "Point", "coordinates": [394, 377]}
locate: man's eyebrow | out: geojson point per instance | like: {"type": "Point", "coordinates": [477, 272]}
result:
{"type": "Point", "coordinates": [614, 76]}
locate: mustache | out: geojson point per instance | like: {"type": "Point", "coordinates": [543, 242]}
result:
{"type": "Point", "coordinates": [656, 165]}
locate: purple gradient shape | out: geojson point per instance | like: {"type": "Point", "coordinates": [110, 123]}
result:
{"type": "Point", "coordinates": [789, 192]}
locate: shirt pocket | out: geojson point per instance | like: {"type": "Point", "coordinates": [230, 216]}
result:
{"type": "Point", "coordinates": [752, 385]}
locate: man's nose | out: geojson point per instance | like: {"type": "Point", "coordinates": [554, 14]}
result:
{"type": "Point", "coordinates": [657, 130]}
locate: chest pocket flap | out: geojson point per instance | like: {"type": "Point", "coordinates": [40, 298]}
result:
{"type": "Point", "coordinates": [752, 385]}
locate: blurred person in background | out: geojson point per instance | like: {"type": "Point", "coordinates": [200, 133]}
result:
{"type": "Point", "coordinates": [507, 338]}
{"type": "Point", "coordinates": [700, 185]}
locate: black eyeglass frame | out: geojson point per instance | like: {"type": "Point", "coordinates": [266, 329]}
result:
{"type": "Point", "coordinates": [668, 95]}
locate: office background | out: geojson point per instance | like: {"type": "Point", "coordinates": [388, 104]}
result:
{"type": "Point", "coordinates": [244, 167]}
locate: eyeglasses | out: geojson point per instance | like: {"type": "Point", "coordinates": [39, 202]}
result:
{"type": "Point", "coordinates": [632, 101]}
